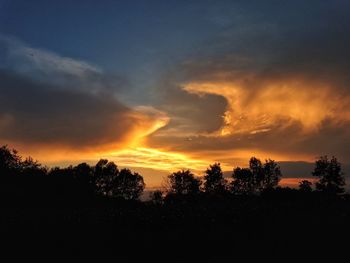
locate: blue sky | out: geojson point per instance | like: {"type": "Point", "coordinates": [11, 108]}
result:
{"type": "Point", "coordinates": [132, 38]}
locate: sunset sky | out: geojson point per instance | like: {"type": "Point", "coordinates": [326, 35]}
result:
{"type": "Point", "coordinates": [162, 85]}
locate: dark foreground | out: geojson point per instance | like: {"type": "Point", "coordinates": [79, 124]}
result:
{"type": "Point", "coordinates": [217, 229]}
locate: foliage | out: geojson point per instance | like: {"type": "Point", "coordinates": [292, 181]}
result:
{"type": "Point", "coordinates": [111, 181]}
{"type": "Point", "coordinates": [157, 197]}
{"type": "Point", "coordinates": [305, 186]}
{"type": "Point", "coordinates": [243, 181]}
{"type": "Point", "coordinates": [257, 178]}
{"type": "Point", "coordinates": [183, 183]}
{"type": "Point", "coordinates": [29, 178]}
{"type": "Point", "coordinates": [128, 185]}
{"type": "Point", "coordinates": [330, 174]}
{"type": "Point", "coordinates": [214, 181]}
{"type": "Point", "coordinates": [10, 161]}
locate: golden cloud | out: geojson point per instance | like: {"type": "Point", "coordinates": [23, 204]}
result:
{"type": "Point", "coordinates": [259, 107]}
{"type": "Point", "coordinates": [157, 159]}
{"type": "Point", "coordinates": [138, 124]}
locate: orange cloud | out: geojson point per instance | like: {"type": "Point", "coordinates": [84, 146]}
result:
{"type": "Point", "coordinates": [157, 159]}
{"type": "Point", "coordinates": [259, 107]}
{"type": "Point", "coordinates": [141, 122]}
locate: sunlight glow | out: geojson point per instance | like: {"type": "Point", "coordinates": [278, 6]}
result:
{"type": "Point", "coordinates": [156, 159]}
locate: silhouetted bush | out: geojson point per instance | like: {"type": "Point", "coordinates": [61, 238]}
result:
{"type": "Point", "coordinates": [157, 197]}
{"type": "Point", "coordinates": [305, 186]}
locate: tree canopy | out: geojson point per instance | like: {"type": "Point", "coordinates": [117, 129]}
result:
{"type": "Point", "coordinates": [329, 172]}
{"type": "Point", "coordinates": [257, 178]}
{"type": "Point", "coordinates": [214, 181]}
{"type": "Point", "coordinates": [183, 182]}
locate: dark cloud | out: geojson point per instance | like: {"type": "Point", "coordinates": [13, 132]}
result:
{"type": "Point", "coordinates": [48, 100]}
{"type": "Point", "coordinates": [190, 113]}
{"type": "Point", "coordinates": [37, 113]}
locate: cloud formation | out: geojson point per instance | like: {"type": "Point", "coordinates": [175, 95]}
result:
{"type": "Point", "coordinates": [263, 78]}
{"type": "Point", "coordinates": [52, 102]}
{"type": "Point", "coordinates": [258, 105]}
{"type": "Point", "coordinates": [282, 79]}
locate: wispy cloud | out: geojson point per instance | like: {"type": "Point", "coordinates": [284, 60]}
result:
{"type": "Point", "coordinates": [26, 59]}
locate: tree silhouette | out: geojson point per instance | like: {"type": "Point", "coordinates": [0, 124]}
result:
{"type": "Point", "coordinates": [305, 186]}
{"type": "Point", "coordinates": [10, 161]}
{"type": "Point", "coordinates": [243, 181]}
{"type": "Point", "coordinates": [30, 167]}
{"type": "Point", "coordinates": [84, 178]}
{"type": "Point", "coordinates": [114, 183]}
{"type": "Point", "coordinates": [271, 175]}
{"type": "Point", "coordinates": [331, 177]}
{"type": "Point", "coordinates": [257, 170]}
{"type": "Point", "coordinates": [183, 183]}
{"type": "Point", "coordinates": [214, 181]}
{"type": "Point", "coordinates": [83, 173]}
{"type": "Point", "coordinates": [127, 185]}
{"type": "Point", "coordinates": [105, 176]}
{"type": "Point", "coordinates": [257, 178]}
{"type": "Point", "coordinates": [157, 197]}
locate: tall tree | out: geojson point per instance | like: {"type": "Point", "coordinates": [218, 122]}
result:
{"type": "Point", "coordinates": [214, 181]}
{"type": "Point", "coordinates": [110, 181]}
{"type": "Point", "coordinates": [257, 178]}
{"type": "Point", "coordinates": [257, 170]}
{"type": "Point", "coordinates": [128, 185]}
{"type": "Point", "coordinates": [10, 161]}
{"type": "Point", "coordinates": [183, 183]}
{"type": "Point", "coordinates": [243, 181]}
{"type": "Point", "coordinates": [84, 179]}
{"type": "Point", "coordinates": [331, 177]}
{"type": "Point", "coordinates": [105, 176]}
{"type": "Point", "coordinates": [271, 175]}
{"type": "Point", "coordinates": [83, 173]}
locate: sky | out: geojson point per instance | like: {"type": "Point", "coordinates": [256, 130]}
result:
{"type": "Point", "coordinates": [164, 85]}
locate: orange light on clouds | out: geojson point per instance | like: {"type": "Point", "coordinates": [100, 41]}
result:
{"type": "Point", "coordinates": [147, 120]}
{"type": "Point", "coordinates": [274, 105]}
{"type": "Point", "coordinates": [258, 109]}
{"type": "Point", "coordinates": [156, 159]}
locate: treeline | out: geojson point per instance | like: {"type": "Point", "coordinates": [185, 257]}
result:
{"type": "Point", "coordinates": [29, 178]}
{"type": "Point", "coordinates": [95, 209]}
